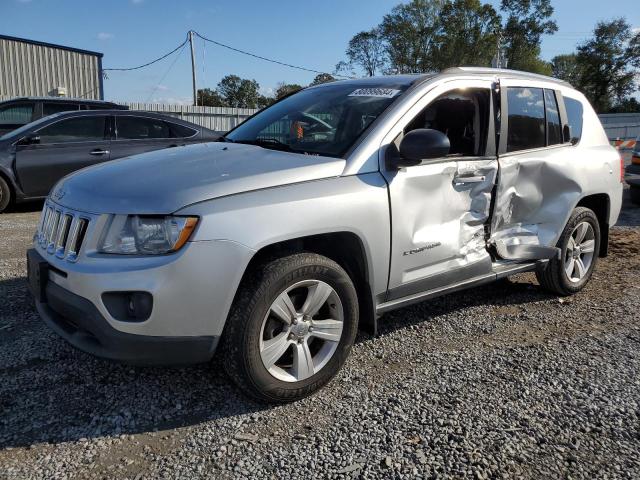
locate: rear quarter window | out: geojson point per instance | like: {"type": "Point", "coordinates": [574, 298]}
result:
{"type": "Point", "coordinates": [574, 117]}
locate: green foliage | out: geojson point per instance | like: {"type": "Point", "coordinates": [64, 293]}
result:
{"type": "Point", "coordinates": [366, 50]}
{"type": "Point", "coordinates": [609, 64]}
{"type": "Point", "coordinates": [322, 78]}
{"type": "Point", "coordinates": [566, 67]}
{"type": "Point", "coordinates": [285, 89]}
{"type": "Point", "coordinates": [239, 92]}
{"type": "Point", "coordinates": [408, 32]}
{"type": "Point", "coordinates": [526, 22]}
{"type": "Point", "coordinates": [210, 98]}
{"type": "Point", "coordinates": [467, 34]}
{"type": "Point", "coordinates": [431, 35]}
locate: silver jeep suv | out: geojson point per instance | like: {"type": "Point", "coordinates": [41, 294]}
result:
{"type": "Point", "coordinates": [321, 213]}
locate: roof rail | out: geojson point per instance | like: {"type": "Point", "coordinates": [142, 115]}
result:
{"type": "Point", "coordinates": [503, 72]}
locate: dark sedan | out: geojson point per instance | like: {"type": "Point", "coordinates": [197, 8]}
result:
{"type": "Point", "coordinates": [633, 174]}
{"type": "Point", "coordinates": [34, 157]}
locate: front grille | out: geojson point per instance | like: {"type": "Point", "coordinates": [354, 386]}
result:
{"type": "Point", "coordinates": [61, 232]}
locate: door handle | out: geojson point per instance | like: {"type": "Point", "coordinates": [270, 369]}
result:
{"type": "Point", "coordinates": [463, 180]}
{"type": "Point", "coordinates": [97, 151]}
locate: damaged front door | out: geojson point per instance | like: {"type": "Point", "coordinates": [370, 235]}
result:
{"type": "Point", "coordinates": [440, 208]}
{"type": "Point", "coordinates": [535, 193]}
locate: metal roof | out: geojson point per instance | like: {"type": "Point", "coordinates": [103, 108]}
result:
{"type": "Point", "coordinates": [50, 45]}
{"type": "Point", "coordinates": [58, 99]}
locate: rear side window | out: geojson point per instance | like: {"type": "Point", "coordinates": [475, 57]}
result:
{"type": "Point", "coordinates": [180, 131]}
{"type": "Point", "coordinates": [554, 129]}
{"type": "Point", "coordinates": [56, 107]}
{"type": "Point", "coordinates": [141, 128]}
{"type": "Point", "coordinates": [526, 122]}
{"type": "Point", "coordinates": [574, 117]}
{"type": "Point", "coordinates": [16, 114]}
{"type": "Point", "coordinates": [79, 129]}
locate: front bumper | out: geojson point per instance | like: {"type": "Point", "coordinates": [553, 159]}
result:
{"type": "Point", "coordinates": [79, 322]}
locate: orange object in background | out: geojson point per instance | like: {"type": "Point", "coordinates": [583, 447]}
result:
{"type": "Point", "coordinates": [296, 131]}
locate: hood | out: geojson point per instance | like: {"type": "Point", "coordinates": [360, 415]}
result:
{"type": "Point", "coordinates": [165, 181]}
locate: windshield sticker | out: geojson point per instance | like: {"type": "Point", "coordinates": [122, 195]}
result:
{"type": "Point", "coordinates": [375, 92]}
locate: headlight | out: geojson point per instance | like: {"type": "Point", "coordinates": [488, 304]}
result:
{"type": "Point", "coordinates": [146, 235]}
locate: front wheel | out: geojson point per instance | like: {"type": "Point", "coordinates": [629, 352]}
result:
{"type": "Point", "coordinates": [291, 327]}
{"type": "Point", "coordinates": [5, 195]}
{"type": "Point", "coordinates": [579, 245]}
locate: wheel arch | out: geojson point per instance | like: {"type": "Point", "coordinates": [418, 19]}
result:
{"type": "Point", "coordinates": [343, 247]}
{"type": "Point", "coordinates": [600, 204]}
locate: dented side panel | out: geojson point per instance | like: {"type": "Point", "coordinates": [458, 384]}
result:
{"type": "Point", "coordinates": [439, 212]}
{"type": "Point", "coordinates": [535, 194]}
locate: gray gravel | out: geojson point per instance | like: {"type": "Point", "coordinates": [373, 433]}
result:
{"type": "Point", "coordinates": [497, 382]}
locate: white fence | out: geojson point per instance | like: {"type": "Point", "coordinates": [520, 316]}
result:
{"type": "Point", "coordinates": [220, 119]}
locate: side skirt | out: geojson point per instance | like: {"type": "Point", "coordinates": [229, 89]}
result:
{"type": "Point", "coordinates": [500, 270]}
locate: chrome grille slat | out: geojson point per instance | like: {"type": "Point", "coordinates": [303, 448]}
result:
{"type": "Point", "coordinates": [62, 232]}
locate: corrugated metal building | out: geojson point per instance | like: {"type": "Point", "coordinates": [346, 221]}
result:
{"type": "Point", "coordinates": [30, 68]}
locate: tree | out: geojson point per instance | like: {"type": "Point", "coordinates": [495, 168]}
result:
{"type": "Point", "coordinates": [567, 67]}
{"type": "Point", "coordinates": [609, 63]}
{"type": "Point", "coordinates": [367, 50]}
{"type": "Point", "coordinates": [467, 34]}
{"type": "Point", "coordinates": [628, 105]}
{"type": "Point", "coordinates": [210, 98]}
{"type": "Point", "coordinates": [240, 92]}
{"type": "Point", "coordinates": [322, 78]}
{"type": "Point", "coordinates": [527, 21]}
{"type": "Point", "coordinates": [408, 32]}
{"type": "Point", "coordinates": [285, 89]}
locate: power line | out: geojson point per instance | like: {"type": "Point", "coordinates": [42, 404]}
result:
{"type": "Point", "coordinates": [167, 72]}
{"type": "Point", "coordinates": [146, 64]}
{"type": "Point", "coordinates": [263, 58]}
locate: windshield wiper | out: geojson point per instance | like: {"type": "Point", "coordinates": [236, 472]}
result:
{"type": "Point", "coordinates": [268, 143]}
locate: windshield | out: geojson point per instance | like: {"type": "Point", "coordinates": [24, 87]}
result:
{"type": "Point", "coordinates": [318, 121]}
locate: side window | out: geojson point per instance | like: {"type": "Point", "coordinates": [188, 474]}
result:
{"type": "Point", "coordinates": [462, 115]}
{"type": "Point", "coordinates": [180, 131]}
{"type": "Point", "coordinates": [19, 114]}
{"type": "Point", "coordinates": [78, 129]}
{"type": "Point", "coordinates": [56, 107]}
{"type": "Point", "coordinates": [526, 122]}
{"type": "Point", "coordinates": [554, 129]}
{"type": "Point", "coordinates": [141, 128]}
{"type": "Point", "coordinates": [574, 116]}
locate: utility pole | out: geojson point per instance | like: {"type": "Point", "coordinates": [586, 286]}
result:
{"type": "Point", "coordinates": [193, 69]}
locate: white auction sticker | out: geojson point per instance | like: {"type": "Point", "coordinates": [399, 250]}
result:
{"type": "Point", "coordinates": [375, 92]}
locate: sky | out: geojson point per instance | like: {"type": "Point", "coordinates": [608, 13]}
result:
{"type": "Point", "coordinates": [310, 34]}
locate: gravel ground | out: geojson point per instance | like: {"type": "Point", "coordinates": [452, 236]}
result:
{"type": "Point", "coordinates": [496, 382]}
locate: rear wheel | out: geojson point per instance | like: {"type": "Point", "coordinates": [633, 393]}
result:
{"type": "Point", "coordinates": [5, 195]}
{"type": "Point", "coordinates": [291, 328]}
{"type": "Point", "coordinates": [579, 245]}
{"type": "Point", "coordinates": [634, 193]}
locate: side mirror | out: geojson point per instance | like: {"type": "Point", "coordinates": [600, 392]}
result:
{"type": "Point", "coordinates": [30, 140]}
{"type": "Point", "coordinates": [422, 144]}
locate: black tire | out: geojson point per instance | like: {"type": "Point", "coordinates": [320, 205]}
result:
{"type": "Point", "coordinates": [552, 276]}
{"type": "Point", "coordinates": [634, 194]}
{"type": "Point", "coordinates": [5, 195]}
{"type": "Point", "coordinates": [241, 338]}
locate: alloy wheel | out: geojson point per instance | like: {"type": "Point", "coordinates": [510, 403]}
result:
{"type": "Point", "coordinates": [580, 251]}
{"type": "Point", "coordinates": [301, 331]}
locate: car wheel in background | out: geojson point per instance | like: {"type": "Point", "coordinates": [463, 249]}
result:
{"type": "Point", "coordinates": [291, 328]}
{"type": "Point", "coordinates": [634, 193]}
{"type": "Point", "coordinates": [5, 195]}
{"type": "Point", "coordinates": [579, 245]}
